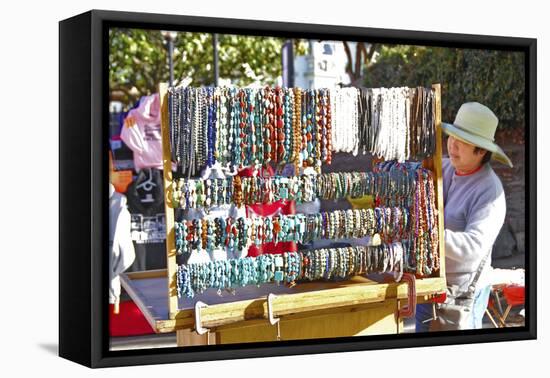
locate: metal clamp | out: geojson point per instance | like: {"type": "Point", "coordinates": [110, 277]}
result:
{"type": "Point", "coordinates": [409, 310]}
{"type": "Point", "coordinates": [272, 319]}
{"type": "Point", "coordinates": [198, 324]}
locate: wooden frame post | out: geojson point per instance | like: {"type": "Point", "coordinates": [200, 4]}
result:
{"type": "Point", "coordinates": [171, 263]}
{"type": "Point", "coordinates": [438, 171]}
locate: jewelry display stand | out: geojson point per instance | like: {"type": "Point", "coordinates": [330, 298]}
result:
{"type": "Point", "coordinates": [320, 309]}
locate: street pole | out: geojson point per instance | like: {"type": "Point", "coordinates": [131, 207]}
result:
{"type": "Point", "coordinates": [171, 60]}
{"type": "Point", "coordinates": [216, 65]}
{"type": "Point", "coordinates": [288, 63]}
{"type": "Point", "coordinates": [169, 37]}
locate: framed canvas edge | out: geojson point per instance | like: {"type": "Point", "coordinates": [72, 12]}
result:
{"type": "Point", "coordinates": [75, 320]}
{"type": "Point", "coordinates": [100, 356]}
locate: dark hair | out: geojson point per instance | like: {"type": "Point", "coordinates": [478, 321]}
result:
{"type": "Point", "coordinates": [486, 157]}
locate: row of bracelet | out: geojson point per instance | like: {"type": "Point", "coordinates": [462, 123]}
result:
{"type": "Point", "coordinates": [239, 233]}
{"type": "Point", "coordinates": [292, 267]}
{"type": "Point", "coordinates": [393, 188]}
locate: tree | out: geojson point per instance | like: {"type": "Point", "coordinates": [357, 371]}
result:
{"type": "Point", "coordinates": [138, 60]}
{"type": "Point", "coordinates": [492, 77]}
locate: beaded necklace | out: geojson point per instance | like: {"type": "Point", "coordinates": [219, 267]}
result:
{"type": "Point", "coordinates": [268, 126]}
{"type": "Point", "coordinates": [211, 129]}
{"type": "Point", "coordinates": [328, 125]}
{"type": "Point", "coordinates": [260, 111]}
{"type": "Point", "coordinates": [217, 106]}
{"type": "Point", "coordinates": [297, 127]}
{"type": "Point", "coordinates": [279, 136]}
{"type": "Point", "coordinates": [223, 127]}
{"type": "Point", "coordinates": [318, 123]}
{"type": "Point", "coordinates": [308, 128]}
{"type": "Point", "coordinates": [301, 132]}
{"type": "Point", "coordinates": [203, 131]}
{"type": "Point", "coordinates": [288, 110]}
{"type": "Point", "coordinates": [236, 126]}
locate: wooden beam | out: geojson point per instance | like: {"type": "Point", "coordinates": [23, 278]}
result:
{"type": "Point", "coordinates": [438, 176]}
{"type": "Point", "coordinates": [159, 273]}
{"type": "Point", "coordinates": [171, 263]}
{"type": "Point", "coordinates": [308, 302]}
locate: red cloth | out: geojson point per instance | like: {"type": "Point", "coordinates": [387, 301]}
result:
{"type": "Point", "coordinates": [514, 295]}
{"type": "Point", "coordinates": [270, 209]}
{"type": "Point", "coordinates": [129, 321]}
{"type": "Point", "coordinates": [279, 207]}
{"type": "Point", "coordinates": [439, 298]}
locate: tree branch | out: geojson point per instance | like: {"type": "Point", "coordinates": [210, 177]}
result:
{"type": "Point", "coordinates": [370, 54]}
{"type": "Point", "coordinates": [348, 54]}
{"type": "Point", "coordinates": [357, 72]}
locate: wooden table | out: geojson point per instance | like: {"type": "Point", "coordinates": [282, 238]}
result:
{"type": "Point", "coordinates": [359, 306]}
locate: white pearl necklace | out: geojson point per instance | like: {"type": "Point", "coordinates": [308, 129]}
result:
{"type": "Point", "coordinates": [344, 108]}
{"type": "Point", "coordinates": [393, 135]}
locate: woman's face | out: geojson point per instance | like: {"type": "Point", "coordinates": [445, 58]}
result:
{"type": "Point", "coordinates": [463, 157]}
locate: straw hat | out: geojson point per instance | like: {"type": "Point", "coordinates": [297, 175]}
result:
{"type": "Point", "coordinates": [476, 124]}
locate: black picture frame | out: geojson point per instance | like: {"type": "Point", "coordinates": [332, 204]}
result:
{"type": "Point", "coordinates": [83, 182]}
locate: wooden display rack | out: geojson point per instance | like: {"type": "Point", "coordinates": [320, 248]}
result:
{"type": "Point", "coordinates": [309, 310]}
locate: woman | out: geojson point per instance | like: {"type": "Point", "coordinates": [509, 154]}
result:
{"type": "Point", "coordinates": [474, 205]}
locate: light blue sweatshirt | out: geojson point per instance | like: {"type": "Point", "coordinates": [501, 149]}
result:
{"type": "Point", "coordinates": [475, 208]}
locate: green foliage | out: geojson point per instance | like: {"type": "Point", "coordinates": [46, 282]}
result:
{"type": "Point", "coordinates": [138, 60]}
{"type": "Point", "coordinates": [130, 49]}
{"type": "Point", "coordinates": [493, 78]}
